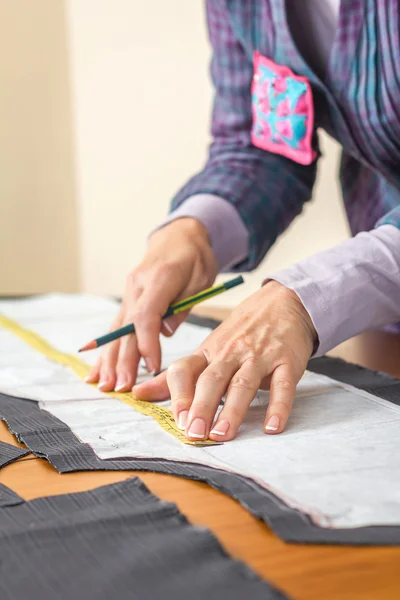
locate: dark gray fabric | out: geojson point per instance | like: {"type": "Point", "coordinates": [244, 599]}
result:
{"type": "Point", "coordinates": [117, 541]}
{"type": "Point", "coordinates": [379, 384]}
{"type": "Point", "coordinates": [8, 498]}
{"type": "Point", "coordinates": [48, 437]}
{"type": "Point", "coordinates": [9, 454]}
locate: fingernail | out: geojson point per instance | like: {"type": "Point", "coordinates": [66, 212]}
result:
{"type": "Point", "coordinates": [168, 327]}
{"type": "Point", "coordinates": [149, 366]}
{"type": "Point", "coordinates": [102, 384]}
{"type": "Point", "coordinates": [272, 424]}
{"type": "Point", "coordinates": [197, 429]}
{"type": "Point", "coordinates": [121, 383]}
{"type": "Point", "coordinates": [87, 379]}
{"type": "Point", "coordinates": [221, 428]}
{"type": "Point", "coordinates": [182, 419]}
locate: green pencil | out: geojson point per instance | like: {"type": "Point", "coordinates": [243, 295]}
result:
{"type": "Point", "coordinates": [176, 308]}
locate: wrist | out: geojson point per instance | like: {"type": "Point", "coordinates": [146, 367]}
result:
{"type": "Point", "coordinates": [190, 227]}
{"type": "Point", "coordinates": [189, 238]}
{"type": "Point", "coordinates": [302, 311]}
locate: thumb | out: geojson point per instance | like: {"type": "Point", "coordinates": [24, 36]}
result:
{"type": "Point", "coordinates": [155, 389]}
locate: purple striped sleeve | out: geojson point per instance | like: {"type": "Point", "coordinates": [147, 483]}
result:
{"type": "Point", "coordinates": [350, 288]}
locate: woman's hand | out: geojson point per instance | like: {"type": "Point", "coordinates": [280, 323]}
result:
{"type": "Point", "coordinates": [179, 263]}
{"type": "Point", "coordinates": [266, 342]}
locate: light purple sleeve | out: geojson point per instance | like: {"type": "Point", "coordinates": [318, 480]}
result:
{"type": "Point", "coordinates": [228, 235]}
{"type": "Point", "coordinates": [350, 288]}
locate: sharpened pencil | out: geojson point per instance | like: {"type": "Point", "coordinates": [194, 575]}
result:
{"type": "Point", "coordinates": [174, 309]}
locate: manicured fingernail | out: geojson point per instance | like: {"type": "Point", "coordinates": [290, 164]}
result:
{"type": "Point", "coordinates": [168, 327]}
{"type": "Point", "coordinates": [149, 366]}
{"type": "Point", "coordinates": [87, 379]}
{"type": "Point", "coordinates": [102, 384]}
{"type": "Point", "coordinates": [272, 424]}
{"type": "Point", "coordinates": [221, 428]}
{"type": "Point", "coordinates": [121, 383]}
{"type": "Point", "coordinates": [197, 429]}
{"type": "Point", "coordinates": [182, 419]}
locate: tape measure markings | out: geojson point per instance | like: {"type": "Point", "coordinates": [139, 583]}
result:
{"type": "Point", "coordinates": [162, 415]}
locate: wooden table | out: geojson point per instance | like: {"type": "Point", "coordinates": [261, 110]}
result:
{"type": "Point", "coordinates": [305, 572]}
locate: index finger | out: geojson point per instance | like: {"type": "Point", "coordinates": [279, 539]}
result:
{"type": "Point", "coordinates": [147, 317]}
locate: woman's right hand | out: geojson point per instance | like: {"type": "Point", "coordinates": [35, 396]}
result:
{"type": "Point", "coordinates": [179, 263]}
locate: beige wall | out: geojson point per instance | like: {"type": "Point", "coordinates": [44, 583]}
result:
{"type": "Point", "coordinates": [38, 249]}
{"type": "Point", "coordinates": [141, 98]}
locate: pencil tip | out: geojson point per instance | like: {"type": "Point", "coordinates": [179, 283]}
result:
{"type": "Point", "coordinates": [90, 346]}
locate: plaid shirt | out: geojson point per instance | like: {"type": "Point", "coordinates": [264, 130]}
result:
{"type": "Point", "coordinates": [357, 103]}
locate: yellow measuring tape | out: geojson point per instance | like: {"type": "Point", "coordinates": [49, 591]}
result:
{"type": "Point", "coordinates": [163, 416]}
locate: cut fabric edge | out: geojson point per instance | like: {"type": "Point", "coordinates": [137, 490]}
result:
{"type": "Point", "coordinates": [130, 492]}
{"type": "Point", "coordinates": [56, 442]}
{"type": "Point", "coordinates": [51, 439]}
{"type": "Point", "coordinates": [10, 454]}
{"type": "Point", "coordinates": [8, 497]}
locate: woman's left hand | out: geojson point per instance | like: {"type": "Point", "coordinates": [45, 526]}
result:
{"type": "Point", "coordinates": [265, 343]}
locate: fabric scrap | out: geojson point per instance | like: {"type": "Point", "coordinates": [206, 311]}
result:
{"type": "Point", "coordinates": [9, 454]}
{"type": "Point", "coordinates": [117, 541]}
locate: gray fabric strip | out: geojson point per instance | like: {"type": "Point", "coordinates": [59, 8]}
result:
{"type": "Point", "coordinates": [379, 384]}
{"type": "Point", "coordinates": [9, 454]}
{"type": "Point", "coordinates": [48, 437]}
{"type": "Point", "coordinates": [8, 498]}
{"type": "Point", "coordinates": [117, 541]}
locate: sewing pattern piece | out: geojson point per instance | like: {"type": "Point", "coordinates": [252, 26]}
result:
{"type": "Point", "coordinates": [117, 541]}
{"type": "Point", "coordinates": [9, 454]}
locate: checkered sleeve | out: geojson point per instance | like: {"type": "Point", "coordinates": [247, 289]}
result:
{"type": "Point", "coordinates": [266, 189]}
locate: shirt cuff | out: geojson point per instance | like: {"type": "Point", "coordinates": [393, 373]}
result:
{"type": "Point", "coordinates": [350, 288]}
{"type": "Point", "coordinates": [228, 235]}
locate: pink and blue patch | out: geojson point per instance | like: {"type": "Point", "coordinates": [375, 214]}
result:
{"type": "Point", "coordinates": [283, 111]}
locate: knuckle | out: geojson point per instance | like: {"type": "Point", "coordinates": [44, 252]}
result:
{"type": "Point", "coordinates": [242, 382]}
{"type": "Point", "coordinates": [276, 351]}
{"type": "Point", "coordinates": [203, 280]}
{"type": "Point", "coordinates": [162, 269]}
{"type": "Point", "coordinates": [282, 383]}
{"type": "Point", "coordinates": [126, 362]}
{"type": "Point", "coordinates": [252, 360]}
{"type": "Point", "coordinates": [243, 347]}
{"type": "Point", "coordinates": [211, 376]}
{"type": "Point", "coordinates": [132, 280]}
{"type": "Point", "coordinates": [140, 317]}
{"type": "Point", "coordinates": [237, 346]}
{"type": "Point", "coordinates": [177, 369]}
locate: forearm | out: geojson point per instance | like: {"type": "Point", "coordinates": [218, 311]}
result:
{"type": "Point", "coordinates": [350, 288]}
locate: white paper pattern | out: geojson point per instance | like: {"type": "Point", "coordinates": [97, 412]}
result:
{"type": "Point", "coordinates": [338, 460]}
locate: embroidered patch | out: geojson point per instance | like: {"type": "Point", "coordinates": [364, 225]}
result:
{"type": "Point", "coordinates": [283, 111]}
